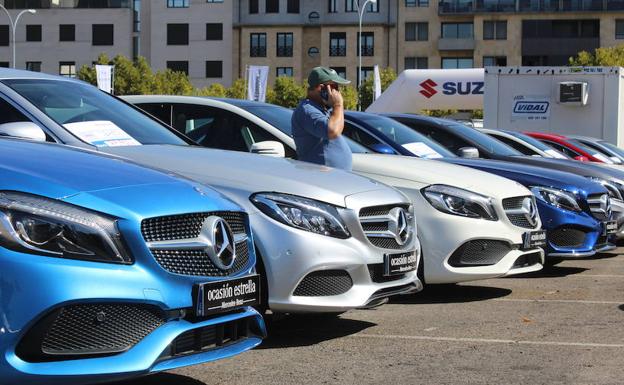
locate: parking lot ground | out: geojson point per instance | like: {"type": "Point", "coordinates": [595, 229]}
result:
{"type": "Point", "coordinates": [564, 325]}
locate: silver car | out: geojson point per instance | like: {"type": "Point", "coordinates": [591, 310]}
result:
{"type": "Point", "coordinates": [327, 240]}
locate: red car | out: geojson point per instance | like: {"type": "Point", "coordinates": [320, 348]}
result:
{"type": "Point", "coordinates": [571, 147]}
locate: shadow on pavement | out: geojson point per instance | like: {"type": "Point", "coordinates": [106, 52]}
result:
{"type": "Point", "coordinates": [309, 329]}
{"type": "Point", "coordinates": [551, 272]}
{"type": "Point", "coordinates": [452, 294]}
{"type": "Point", "coordinates": [605, 255]}
{"type": "Point", "coordinates": [160, 379]}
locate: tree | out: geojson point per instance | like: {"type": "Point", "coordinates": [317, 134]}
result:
{"type": "Point", "coordinates": [287, 92]}
{"type": "Point", "coordinates": [216, 90]}
{"type": "Point", "coordinates": [606, 56]}
{"type": "Point", "coordinates": [349, 96]}
{"type": "Point", "coordinates": [238, 89]}
{"type": "Point", "coordinates": [438, 113]}
{"type": "Point", "coordinates": [387, 76]}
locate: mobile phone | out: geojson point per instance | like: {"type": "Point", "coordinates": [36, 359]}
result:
{"type": "Point", "coordinates": [324, 93]}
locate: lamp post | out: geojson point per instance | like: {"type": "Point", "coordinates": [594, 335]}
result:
{"type": "Point", "coordinates": [14, 25]}
{"type": "Point", "coordinates": [359, 43]}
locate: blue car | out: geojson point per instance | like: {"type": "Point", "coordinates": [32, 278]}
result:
{"type": "Point", "coordinates": [575, 211]}
{"type": "Point", "coordinates": [112, 271]}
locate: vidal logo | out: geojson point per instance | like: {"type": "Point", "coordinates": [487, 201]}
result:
{"type": "Point", "coordinates": [521, 107]}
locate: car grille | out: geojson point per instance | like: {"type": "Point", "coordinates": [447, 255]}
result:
{"type": "Point", "coordinates": [511, 206]}
{"type": "Point", "coordinates": [598, 209]}
{"type": "Point", "coordinates": [324, 283]}
{"type": "Point", "coordinates": [376, 272]}
{"type": "Point", "coordinates": [77, 331]}
{"type": "Point", "coordinates": [375, 224]}
{"type": "Point", "coordinates": [195, 262]}
{"type": "Point", "coordinates": [480, 252]}
{"type": "Point", "coordinates": [566, 237]}
{"type": "Point", "coordinates": [527, 260]}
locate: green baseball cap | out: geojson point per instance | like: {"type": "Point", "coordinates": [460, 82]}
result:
{"type": "Point", "coordinates": [320, 75]}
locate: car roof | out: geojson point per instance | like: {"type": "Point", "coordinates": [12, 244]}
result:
{"type": "Point", "coordinates": [242, 102]}
{"type": "Point", "coordinates": [587, 138]}
{"type": "Point", "coordinates": [10, 73]}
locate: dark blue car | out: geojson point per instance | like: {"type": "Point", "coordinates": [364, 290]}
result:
{"type": "Point", "coordinates": [575, 210]}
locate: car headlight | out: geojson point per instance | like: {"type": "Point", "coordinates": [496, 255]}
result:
{"type": "Point", "coordinates": [302, 213]}
{"type": "Point", "coordinates": [38, 225]}
{"type": "Point", "coordinates": [456, 201]}
{"type": "Point", "coordinates": [612, 187]}
{"type": "Point", "coordinates": [555, 197]}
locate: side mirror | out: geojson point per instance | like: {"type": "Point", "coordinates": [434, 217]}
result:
{"type": "Point", "coordinates": [270, 148]}
{"type": "Point", "coordinates": [615, 159]}
{"type": "Point", "coordinates": [468, 152]}
{"type": "Point", "coordinates": [23, 130]}
{"type": "Point", "coordinates": [581, 158]}
{"type": "Point", "coordinates": [382, 148]}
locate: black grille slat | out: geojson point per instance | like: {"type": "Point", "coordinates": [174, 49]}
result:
{"type": "Point", "coordinates": [385, 243]}
{"type": "Point", "coordinates": [376, 272]}
{"type": "Point", "coordinates": [381, 242]}
{"type": "Point", "coordinates": [77, 330]}
{"type": "Point", "coordinates": [516, 219]}
{"type": "Point", "coordinates": [567, 237]}
{"type": "Point", "coordinates": [379, 210]}
{"type": "Point", "coordinates": [480, 252]}
{"type": "Point", "coordinates": [527, 260]}
{"type": "Point", "coordinates": [174, 227]}
{"type": "Point", "coordinates": [594, 207]}
{"type": "Point", "coordinates": [324, 283]}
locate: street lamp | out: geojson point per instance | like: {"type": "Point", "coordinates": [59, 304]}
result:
{"type": "Point", "coordinates": [359, 43]}
{"type": "Point", "coordinates": [14, 25]}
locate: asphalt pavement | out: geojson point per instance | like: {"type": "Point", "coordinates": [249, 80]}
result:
{"type": "Point", "coordinates": [563, 325]}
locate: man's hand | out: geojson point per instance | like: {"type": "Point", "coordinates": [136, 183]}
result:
{"type": "Point", "coordinates": [336, 120]}
{"type": "Point", "coordinates": [335, 97]}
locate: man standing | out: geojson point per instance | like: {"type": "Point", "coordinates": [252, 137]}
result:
{"type": "Point", "coordinates": [318, 121]}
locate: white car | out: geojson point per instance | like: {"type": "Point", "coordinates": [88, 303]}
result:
{"type": "Point", "coordinates": [524, 143]}
{"type": "Point", "coordinates": [471, 224]}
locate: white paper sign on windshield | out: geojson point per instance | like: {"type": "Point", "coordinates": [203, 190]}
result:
{"type": "Point", "coordinates": [555, 154]}
{"type": "Point", "coordinates": [101, 133]}
{"type": "Point", "coordinates": [422, 150]}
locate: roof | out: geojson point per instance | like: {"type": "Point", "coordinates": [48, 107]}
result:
{"type": "Point", "coordinates": [10, 73]}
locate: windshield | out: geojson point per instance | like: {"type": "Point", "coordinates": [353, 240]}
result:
{"type": "Point", "coordinates": [413, 141]}
{"type": "Point", "coordinates": [279, 117]}
{"type": "Point", "coordinates": [539, 144]}
{"type": "Point", "coordinates": [92, 115]}
{"type": "Point", "coordinates": [492, 145]}
{"type": "Point", "coordinates": [594, 152]}
{"type": "Point", "coordinates": [613, 148]}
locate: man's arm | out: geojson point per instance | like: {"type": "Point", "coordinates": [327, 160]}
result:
{"type": "Point", "coordinates": [335, 125]}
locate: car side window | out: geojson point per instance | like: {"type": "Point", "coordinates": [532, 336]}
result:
{"type": "Point", "coordinates": [561, 148]}
{"type": "Point", "coordinates": [359, 135]}
{"type": "Point", "coordinates": [10, 114]}
{"type": "Point", "coordinates": [251, 133]}
{"type": "Point", "coordinates": [513, 144]}
{"type": "Point", "coordinates": [161, 111]}
{"type": "Point", "coordinates": [450, 141]}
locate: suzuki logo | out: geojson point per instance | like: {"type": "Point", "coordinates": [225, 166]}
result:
{"type": "Point", "coordinates": [399, 225]}
{"type": "Point", "coordinates": [427, 88]}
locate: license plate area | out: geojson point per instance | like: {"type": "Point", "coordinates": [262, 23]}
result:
{"type": "Point", "coordinates": [609, 227]}
{"type": "Point", "coordinates": [396, 264]}
{"type": "Point", "coordinates": [220, 296]}
{"type": "Point", "coordinates": [533, 239]}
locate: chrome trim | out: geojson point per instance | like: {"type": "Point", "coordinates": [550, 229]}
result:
{"type": "Point", "coordinates": [572, 255]}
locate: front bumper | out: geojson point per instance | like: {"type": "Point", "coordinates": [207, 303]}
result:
{"type": "Point", "coordinates": [33, 286]}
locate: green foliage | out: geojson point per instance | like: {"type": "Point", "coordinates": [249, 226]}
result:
{"type": "Point", "coordinates": [606, 56]}
{"type": "Point", "coordinates": [238, 89]}
{"type": "Point", "coordinates": [386, 75]}
{"type": "Point", "coordinates": [477, 114]}
{"type": "Point", "coordinates": [216, 90]}
{"type": "Point", "coordinates": [349, 96]}
{"type": "Point", "coordinates": [438, 113]}
{"type": "Point", "coordinates": [286, 92]}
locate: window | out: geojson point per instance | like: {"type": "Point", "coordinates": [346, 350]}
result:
{"type": "Point", "coordinates": [285, 44]}
{"type": "Point", "coordinates": [178, 66]}
{"type": "Point", "coordinates": [337, 44]}
{"type": "Point", "coordinates": [214, 1]}
{"type": "Point", "coordinates": [457, 30]}
{"type": "Point", "coordinates": [67, 68]}
{"type": "Point", "coordinates": [136, 16]}
{"type": "Point", "coordinates": [366, 72]}
{"type": "Point", "coordinates": [619, 29]}
{"type": "Point", "coordinates": [33, 66]}
{"type": "Point", "coordinates": [292, 6]}
{"type": "Point", "coordinates": [257, 45]}
{"type": "Point", "coordinates": [494, 30]}
{"type": "Point", "coordinates": [253, 6]}
{"type": "Point", "coordinates": [567, 151]}
{"type": "Point", "coordinates": [102, 34]}
{"type": "Point", "coordinates": [272, 6]}
{"type": "Point", "coordinates": [177, 3]}
{"type": "Point", "coordinates": [416, 3]}
{"type": "Point", "coordinates": [332, 6]}
{"type": "Point", "coordinates": [33, 32]}
{"type": "Point", "coordinates": [416, 31]}
{"type": "Point", "coordinates": [367, 43]}
{"type": "Point", "coordinates": [456, 62]}
{"type": "Point", "coordinates": [341, 71]}
{"type": "Point", "coordinates": [177, 34]}
{"type": "Point", "coordinates": [494, 61]}
{"type": "Point", "coordinates": [4, 35]}
{"type": "Point", "coordinates": [373, 7]}
{"type": "Point", "coordinates": [420, 63]}
{"type": "Point", "coordinates": [67, 32]}
{"type": "Point", "coordinates": [10, 114]}
{"type": "Point", "coordinates": [313, 51]}
{"type": "Point", "coordinates": [513, 144]}
{"type": "Point", "coordinates": [4, 64]}
{"type": "Point", "coordinates": [214, 31]}
{"type": "Point", "coordinates": [214, 69]}
{"type": "Point", "coordinates": [532, 29]}
{"type": "Point", "coordinates": [351, 5]}
{"type": "Point", "coordinates": [284, 71]}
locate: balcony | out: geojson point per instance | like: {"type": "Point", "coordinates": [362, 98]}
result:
{"type": "Point", "coordinates": [558, 46]}
{"type": "Point", "coordinates": [367, 50]}
{"type": "Point", "coordinates": [453, 44]}
{"type": "Point", "coordinates": [284, 51]}
{"type": "Point", "coordinates": [337, 51]}
{"type": "Point", "coordinates": [257, 51]}
{"type": "Point", "coordinates": [455, 7]}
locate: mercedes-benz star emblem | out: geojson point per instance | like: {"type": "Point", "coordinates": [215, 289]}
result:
{"type": "Point", "coordinates": [605, 205]}
{"type": "Point", "coordinates": [221, 247]}
{"type": "Point", "coordinates": [398, 225]}
{"type": "Point", "coordinates": [530, 211]}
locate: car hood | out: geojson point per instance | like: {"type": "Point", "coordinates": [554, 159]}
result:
{"type": "Point", "coordinates": [102, 183]}
{"type": "Point", "coordinates": [533, 176]}
{"type": "Point", "coordinates": [430, 172]}
{"type": "Point", "coordinates": [572, 166]}
{"type": "Point", "coordinates": [251, 173]}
